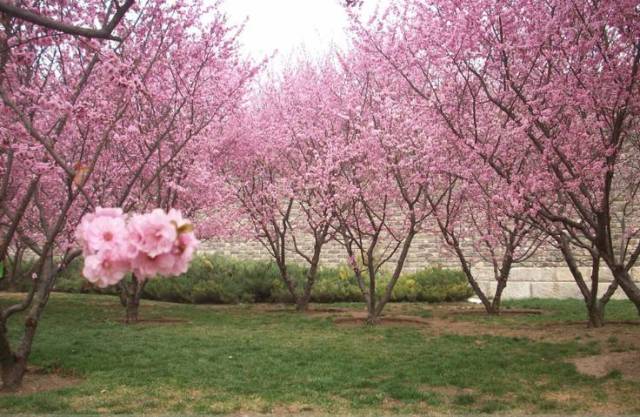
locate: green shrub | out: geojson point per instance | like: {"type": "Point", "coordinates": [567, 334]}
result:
{"type": "Point", "coordinates": [21, 281]}
{"type": "Point", "coordinates": [223, 280]}
{"type": "Point", "coordinates": [336, 285]}
{"type": "Point", "coordinates": [433, 285]}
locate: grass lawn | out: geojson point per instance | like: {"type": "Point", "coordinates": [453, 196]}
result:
{"type": "Point", "coordinates": [261, 359]}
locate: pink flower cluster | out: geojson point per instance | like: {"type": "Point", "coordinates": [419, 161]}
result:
{"type": "Point", "coordinates": [147, 245]}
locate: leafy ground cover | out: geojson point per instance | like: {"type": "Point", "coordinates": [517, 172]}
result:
{"type": "Point", "coordinates": [425, 358]}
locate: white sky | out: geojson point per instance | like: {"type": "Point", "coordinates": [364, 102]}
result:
{"type": "Point", "coordinates": [289, 26]}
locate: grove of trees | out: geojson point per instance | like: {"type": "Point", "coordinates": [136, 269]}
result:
{"type": "Point", "coordinates": [502, 126]}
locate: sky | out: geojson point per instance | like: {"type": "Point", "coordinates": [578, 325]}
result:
{"type": "Point", "coordinates": [290, 26]}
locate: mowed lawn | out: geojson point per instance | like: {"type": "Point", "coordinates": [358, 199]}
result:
{"type": "Point", "coordinates": [266, 359]}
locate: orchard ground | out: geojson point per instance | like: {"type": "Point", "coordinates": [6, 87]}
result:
{"type": "Point", "coordinates": [425, 358]}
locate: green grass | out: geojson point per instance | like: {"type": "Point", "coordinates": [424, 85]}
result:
{"type": "Point", "coordinates": [232, 359]}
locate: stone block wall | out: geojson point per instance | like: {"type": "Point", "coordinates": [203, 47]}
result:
{"type": "Point", "coordinates": [544, 275]}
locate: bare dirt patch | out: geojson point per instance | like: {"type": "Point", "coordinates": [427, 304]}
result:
{"type": "Point", "coordinates": [615, 336]}
{"type": "Point", "coordinates": [272, 307]}
{"type": "Point", "coordinates": [328, 310]}
{"type": "Point", "coordinates": [447, 391]}
{"type": "Point", "coordinates": [310, 311]}
{"type": "Point", "coordinates": [293, 408]}
{"type": "Point", "coordinates": [621, 400]}
{"type": "Point", "coordinates": [38, 380]}
{"type": "Point", "coordinates": [395, 320]}
{"type": "Point", "coordinates": [159, 320]}
{"type": "Point", "coordinates": [277, 310]}
{"type": "Point", "coordinates": [503, 312]}
{"type": "Point", "coordinates": [625, 335]}
{"type": "Point", "coordinates": [627, 363]}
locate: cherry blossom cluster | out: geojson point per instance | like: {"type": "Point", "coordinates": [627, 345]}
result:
{"type": "Point", "coordinates": [157, 243]}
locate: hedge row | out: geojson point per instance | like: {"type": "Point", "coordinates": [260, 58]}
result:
{"type": "Point", "coordinates": [224, 280]}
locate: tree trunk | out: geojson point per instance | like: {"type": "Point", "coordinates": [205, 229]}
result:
{"type": "Point", "coordinates": [291, 286]}
{"type": "Point", "coordinates": [372, 317]}
{"type": "Point", "coordinates": [368, 297]}
{"type": "Point", "coordinates": [301, 304]}
{"type": "Point", "coordinates": [451, 240]}
{"type": "Point", "coordinates": [501, 280]}
{"type": "Point", "coordinates": [624, 279]}
{"type": "Point", "coordinates": [303, 301]}
{"type": "Point", "coordinates": [13, 370]}
{"type": "Point", "coordinates": [132, 299]}
{"type": "Point", "coordinates": [471, 279]}
{"type": "Point", "coordinates": [595, 307]}
{"type": "Point", "coordinates": [595, 314]}
{"type": "Point", "coordinates": [132, 309]}
{"type": "Point", "coordinates": [397, 271]}
{"type": "Point", "coordinates": [373, 314]}
{"type": "Point", "coordinates": [13, 364]}
{"type": "Point", "coordinates": [11, 367]}
{"type": "Point", "coordinates": [13, 271]}
{"type": "Point", "coordinates": [501, 275]}
{"type": "Point", "coordinates": [497, 298]}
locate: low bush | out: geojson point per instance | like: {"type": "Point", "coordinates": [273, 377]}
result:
{"type": "Point", "coordinates": [223, 280]}
{"type": "Point", "coordinates": [20, 281]}
{"type": "Point", "coordinates": [433, 285]}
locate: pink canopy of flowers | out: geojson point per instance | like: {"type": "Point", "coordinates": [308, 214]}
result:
{"type": "Point", "coordinates": [147, 245]}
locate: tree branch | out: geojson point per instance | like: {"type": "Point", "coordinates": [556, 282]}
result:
{"type": "Point", "coordinates": [47, 22]}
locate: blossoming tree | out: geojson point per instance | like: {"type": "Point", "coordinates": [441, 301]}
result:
{"type": "Point", "coordinates": [270, 172]}
{"type": "Point", "coordinates": [387, 175]}
{"type": "Point", "coordinates": [475, 222]}
{"type": "Point", "coordinates": [89, 124]}
{"type": "Point", "coordinates": [549, 86]}
{"type": "Point", "coordinates": [147, 245]}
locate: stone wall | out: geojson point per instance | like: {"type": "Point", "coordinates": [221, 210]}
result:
{"type": "Point", "coordinates": [543, 275]}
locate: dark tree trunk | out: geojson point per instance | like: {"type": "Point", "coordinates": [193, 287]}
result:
{"type": "Point", "coordinates": [451, 240]}
{"type": "Point", "coordinates": [13, 272]}
{"type": "Point", "coordinates": [13, 363]}
{"type": "Point", "coordinates": [303, 301]}
{"type": "Point", "coordinates": [373, 316]}
{"type": "Point", "coordinates": [397, 271]}
{"type": "Point", "coordinates": [595, 314]}
{"type": "Point", "coordinates": [595, 306]}
{"type": "Point", "coordinates": [9, 364]}
{"type": "Point", "coordinates": [133, 306]}
{"type": "Point", "coordinates": [624, 279]}
{"type": "Point", "coordinates": [291, 286]}
{"type": "Point", "coordinates": [13, 369]}
{"type": "Point", "coordinates": [502, 276]}
{"type": "Point", "coordinates": [471, 279]}
{"type": "Point", "coordinates": [302, 304]}
{"type": "Point", "coordinates": [130, 295]}
{"type": "Point", "coordinates": [497, 298]}
{"type": "Point", "coordinates": [368, 289]}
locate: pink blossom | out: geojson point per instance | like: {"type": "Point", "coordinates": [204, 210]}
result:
{"type": "Point", "coordinates": [145, 266]}
{"type": "Point", "coordinates": [151, 244]}
{"type": "Point", "coordinates": [104, 229]}
{"type": "Point", "coordinates": [105, 268]}
{"type": "Point", "coordinates": [180, 255]}
{"type": "Point", "coordinates": [174, 261]}
{"type": "Point", "coordinates": [153, 233]}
